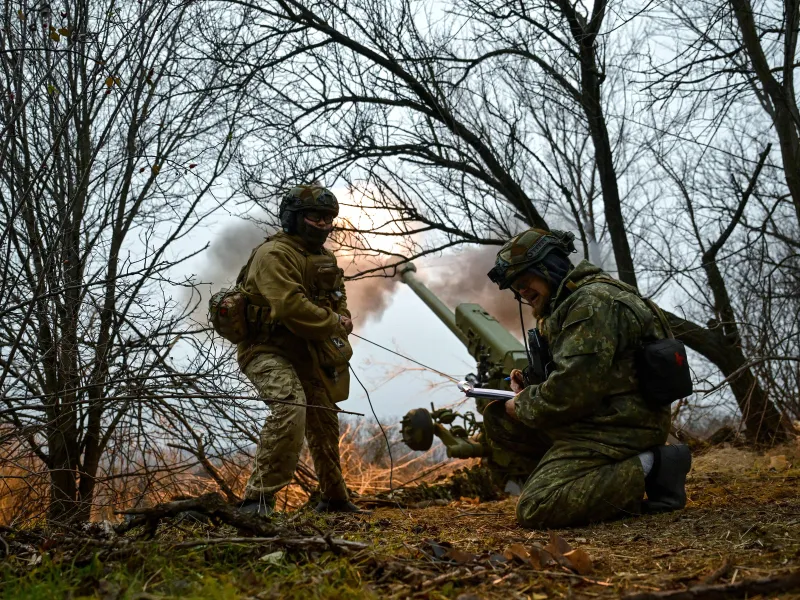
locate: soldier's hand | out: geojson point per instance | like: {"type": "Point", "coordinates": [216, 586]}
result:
{"type": "Point", "coordinates": [517, 381]}
{"type": "Point", "coordinates": [347, 323]}
{"type": "Point", "coordinates": [511, 409]}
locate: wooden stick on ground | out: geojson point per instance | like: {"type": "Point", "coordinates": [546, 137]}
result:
{"type": "Point", "coordinates": [751, 587]}
{"type": "Point", "coordinates": [723, 571]}
{"type": "Point", "coordinates": [211, 505]}
{"type": "Point", "coordinates": [300, 543]}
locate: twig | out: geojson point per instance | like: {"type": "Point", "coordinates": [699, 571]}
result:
{"type": "Point", "coordinates": [296, 542]}
{"type": "Point", "coordinates": [457, 574]}
{"type": "Point", "coordinates": [479, 514]}
{"type": "Point", "coordinates": [209, 504]}
{"type": "Point", "coordinates": [727, 564]}
{"type": "Point", "coordinates": [751, 587]}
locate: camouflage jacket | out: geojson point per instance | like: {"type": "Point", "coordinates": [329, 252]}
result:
{"type": "Point", "coordinates": [284, 273]}
{"type": "Point", "coordinates": [591, 397]}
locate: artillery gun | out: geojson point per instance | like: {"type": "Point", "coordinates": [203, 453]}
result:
{"type": "Point", "coordinates": [496, 352]}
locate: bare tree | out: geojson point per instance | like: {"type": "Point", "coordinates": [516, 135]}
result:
{"type": "Point", "coordinates": [454, 131]}
{"type": "Point", "coordinates": [735, 48]}
{"type": "Point", "coordinates": [115, 139]}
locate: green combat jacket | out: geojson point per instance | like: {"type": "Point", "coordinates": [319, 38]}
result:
{"type": "Point", "coordinates": [305, 295]}
{"type": "Point", "coordinates": [591, 397]}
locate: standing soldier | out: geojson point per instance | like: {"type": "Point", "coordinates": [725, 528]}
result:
{"type": "Point", "coordinates": [607, 422]}
{"type": "Point", "coordinates": [299, 351]}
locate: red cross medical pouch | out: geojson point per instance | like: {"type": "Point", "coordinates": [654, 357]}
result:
{"type": "Point", "coordinates": [663, 371]}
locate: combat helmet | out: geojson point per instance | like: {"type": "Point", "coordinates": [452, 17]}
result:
{"type": "Point", "coordinates": [305, 197]}
{"type": "Point", "coordinates": [529, 250]}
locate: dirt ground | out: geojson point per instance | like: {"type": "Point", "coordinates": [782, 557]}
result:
{"type": "Point", "coordinates": [743, 513]}
{"type": "Point", "coordinates": [742, 523]}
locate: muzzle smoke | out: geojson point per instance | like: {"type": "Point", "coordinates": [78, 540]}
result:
{"type": "Point", "coordinates": [366, 298]}
{"type": "Point", "coordinates": [462, 278]}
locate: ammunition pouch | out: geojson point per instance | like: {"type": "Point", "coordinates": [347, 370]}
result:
{"type": "Point", "coordinates": [326, 276]}
{"type": "Point", "coordinates": [663, 371]}
{"type": "Point", "coordinates": [236, 316]}
{"type": "Point", "coordinates": [332, 359]}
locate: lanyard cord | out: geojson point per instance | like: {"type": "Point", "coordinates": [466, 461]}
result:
{"type": "Point", "coordinates": [443, 374]}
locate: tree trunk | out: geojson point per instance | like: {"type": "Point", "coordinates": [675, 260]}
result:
{"type": "Point", "coordinates": [612, 206]}
{"type": "Point", "coordinates": [63, 455]}
{"type": "Point", "coordinates": [764, 423]}
{"type": "Point", "coordinates": [785, 114]}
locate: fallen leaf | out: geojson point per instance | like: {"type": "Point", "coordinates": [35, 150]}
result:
{"type": "Point", "coordinates": [579, 561]}
{"type": "Point", "coordinates": [497, 560]}
{"type": "Point", "coordinates": [273, 558]}
{"type": "Point", "coordinates": [517, 552]}
{"type": "Point", "coordinates": [558, 546]}
{"type": "Point", "coordinates": [540, 558]}
{"type": "Point", "coordinates": [460, 556]}
{"type": "Point", "coordinates": [779, 463]}
{"type": "Point", "coordinates": [439, 549]}
{"type": "Point", "coordinates": [468, 500]}
{"type": "Point", "coordinates": [538, 596]}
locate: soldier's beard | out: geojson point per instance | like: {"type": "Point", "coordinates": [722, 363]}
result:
{"type": "Point", "coordinates": [540, 305]}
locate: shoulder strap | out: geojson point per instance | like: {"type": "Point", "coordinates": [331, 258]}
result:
{"type": "Point", "coordinates": [657, 312]}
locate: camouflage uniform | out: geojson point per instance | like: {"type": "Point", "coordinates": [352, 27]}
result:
{"type": "Point", "coordinates": [281, 438]}
{"type": "Point", "coordinates": [283, 361]}
{"type": "Point", "coordinates": [589, 405]}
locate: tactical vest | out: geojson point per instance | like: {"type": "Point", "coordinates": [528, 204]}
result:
{"type": "Point", "coordinates": [322, 279]}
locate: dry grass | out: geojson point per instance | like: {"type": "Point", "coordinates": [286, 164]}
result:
{"type": "Point", "coordinates": [366, 466]}
{"type": "Point", "coordinates": [741, 511]}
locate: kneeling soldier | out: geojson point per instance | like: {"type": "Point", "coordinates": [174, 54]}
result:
{"type": "Point", "coordinates": [608, 439]}
{"type": "Point", "coordinates": [299, 352]}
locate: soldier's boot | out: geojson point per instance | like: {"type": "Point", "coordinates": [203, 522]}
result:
{"type": "Point", "coordinates": [261, 508]}
{"type": "Point", "coordinates": [339, 506]}
{"type": "Point", "coordinates": [666, 484]}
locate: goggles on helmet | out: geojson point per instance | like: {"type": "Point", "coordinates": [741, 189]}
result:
{"type": "Point", "coordinates": [505, 272]}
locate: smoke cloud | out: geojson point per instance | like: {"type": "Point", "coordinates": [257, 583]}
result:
{"type": "Point", "coordinates": [366, 298]}
{"type": "Point", "coordinates": [229, 252]}
{"type": "Point", "coordinates": [462, 278]}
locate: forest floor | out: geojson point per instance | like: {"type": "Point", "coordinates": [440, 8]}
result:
{"type": "Point", "coordinates": [741, 524]}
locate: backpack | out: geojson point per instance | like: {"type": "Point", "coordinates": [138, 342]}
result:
{"type": "Point", "coordinates": [233, 313]}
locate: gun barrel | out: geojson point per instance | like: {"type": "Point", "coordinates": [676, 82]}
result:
{"type": "Point", "coordinates": [438, 307]}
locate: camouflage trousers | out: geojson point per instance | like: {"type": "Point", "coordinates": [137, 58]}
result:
{"type": "Point", "coordinates": [575, 486]}
{"type": "Point", "coordinates": [281, 438]}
